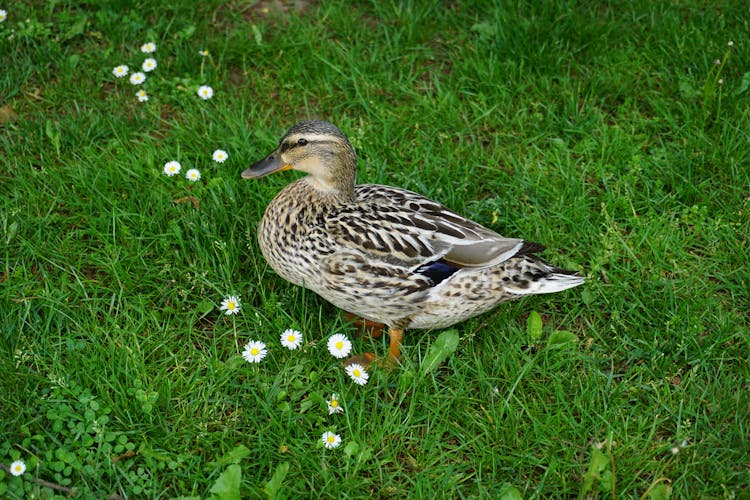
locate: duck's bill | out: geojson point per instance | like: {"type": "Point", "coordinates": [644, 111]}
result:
{"type": "Point", "coordinates": [272, 163]}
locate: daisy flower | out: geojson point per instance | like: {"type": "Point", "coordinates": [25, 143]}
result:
{"type": "Point", "coordinates": [148, 47]}
{"type": "Point", "coordinates": [331, 440]}
{"type": "Point", "coordinates": [143, 97]}
{"type": "Point", "coordinates": [205, 92]}
{"type": "Point", "coordinates": [120, 71]}
{"type": "Point", "coordinates": [18, 467]}
{"type": "Point", "coordinates": [254, 351]}
{"type": "Point", "coordinates": [231, 304]}
{"type": "Point", "coordinates": [137, 78]}
{"type": "Point", "coordinates": [193, 175]}
{"type": "Point", "coordinates": [171, 167]}
{"type": "Point", "coordinates": [220, 156]}
{"type": "Point", "coordinates": [339, 346]}
{"type": "Point", "coordinates": [291, 339]}
{"type": "Point", "coordinates": [203, 53]}
{"type": "Point", "coordinates": [149, 64]}
{"type": "Point", "coordinates": [334, 405]}
{"type": "Point", "coordinates": [357, 373]}
{"type": "Point", "coordinates": [3, 15]}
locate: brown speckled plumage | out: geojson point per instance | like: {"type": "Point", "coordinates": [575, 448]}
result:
{"type": "Point", "coordinates": [384, 253]}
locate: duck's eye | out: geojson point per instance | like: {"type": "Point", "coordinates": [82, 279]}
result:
{"type": "Point", "coordinates": [302, 142]}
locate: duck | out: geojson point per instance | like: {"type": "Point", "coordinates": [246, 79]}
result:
{"type": "Point", "coordinates": [385, 254]}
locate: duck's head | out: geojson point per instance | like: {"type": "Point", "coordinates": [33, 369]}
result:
{"type": "Point", "coordinates": [317, 148]}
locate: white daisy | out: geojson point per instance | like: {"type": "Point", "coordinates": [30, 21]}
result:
{"type": "Point", "coordinates": [137, 78]}
{"type": "Point", "coordinates": [254, 351]}
{"type": "Point", "coordinates": [334, 405]}
{"type": "Point", "coordinates": [331, 440]}
{"type": "Point", "coordinates": [3, 15]}
{"type": "Point", "coordinates": [203, 53]}
{"type": "Point", "coordinates": [193, 175]}
{"type": "Point", "coordinates": [339, 346]}
{"type": "Point", "coordinates": [231, 304]}
{"type": "Point", "coordinates": [220, 156]}
{"type": "Point", "coordinates": [171, 167]}
{"type": "Point", "coordinates": [143, 97]}
{"type": "Point", "coordinates": [17, 468]}
{"type": "Point", "coordinates": [149, 64]}
{"type": "Point", "coordinates": [291, 339]}
{"type": "Point", "coordinates": [120, 71]}
{"type": "Point", "coordinates": [148, 47]}
{"type": "Point", "coordinates": [205, 92]}
{"type": "Point", "coordinates": [357, 373]}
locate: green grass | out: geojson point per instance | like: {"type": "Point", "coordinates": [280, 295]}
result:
{"type": "Point", "coordinates": [601, 132]}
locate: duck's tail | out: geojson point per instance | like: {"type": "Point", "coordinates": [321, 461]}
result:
{"type": "Point", "coordinates": [530, 275]}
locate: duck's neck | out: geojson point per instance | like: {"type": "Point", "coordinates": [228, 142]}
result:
{"type": "Point", "coordinates": [336, 180]}
{"type": "Point", "coordinates": [335, 174]}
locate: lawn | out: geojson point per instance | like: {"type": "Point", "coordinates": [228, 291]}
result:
{"type": "Point", "coordinates": [617, 135]}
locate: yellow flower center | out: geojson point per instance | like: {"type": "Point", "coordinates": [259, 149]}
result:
{"type": "Point", "coordinates": [331, 439]}
{"type": "Point", "coordinates": [339, 345]}
{"type": "Point", "coordinates": [334, 403]}
{"type": "Point", "coordinates": [356, 373]}
{"type": "Point", "coordinates": [254, 351]}
{"type": "Point", "coordinates": [230, 306]}
{"type": "Point", "coordinates": [291, 338]}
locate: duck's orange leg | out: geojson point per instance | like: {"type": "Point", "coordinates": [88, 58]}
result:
{"type": "Point", "coordinates": [394, 348]}
{"type": "Point", "coordinates": [393, 357]}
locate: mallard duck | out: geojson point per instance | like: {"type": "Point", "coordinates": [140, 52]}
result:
{"type": "Point", "coordinates": [386, 254]}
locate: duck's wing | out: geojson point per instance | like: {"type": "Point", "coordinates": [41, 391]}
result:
{"type": "Point", "coordinates": [402, 228]}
